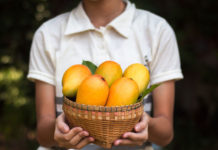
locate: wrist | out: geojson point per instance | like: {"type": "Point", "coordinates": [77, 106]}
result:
{"type": "Point", "coordinates": [150, 126]}
{"type": "Point", "coordinates": [149, 120]}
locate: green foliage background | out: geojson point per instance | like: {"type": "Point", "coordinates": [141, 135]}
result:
{"type": "Point", "coordinates": [195, 23]}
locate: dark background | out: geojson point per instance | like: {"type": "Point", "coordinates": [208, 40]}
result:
{"type": "Point", "coordinates": [195, 23]}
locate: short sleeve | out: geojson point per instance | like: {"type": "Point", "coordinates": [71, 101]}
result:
{"type": "Point", "coordinates": [165, 63]}
{"type": "Point", "coordinates": [40, 65]}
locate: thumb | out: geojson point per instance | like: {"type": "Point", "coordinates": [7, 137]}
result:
{"type": "Point", "coordinates": [143, 123]}
{"type": "Point", "coordinates": [61, 124]}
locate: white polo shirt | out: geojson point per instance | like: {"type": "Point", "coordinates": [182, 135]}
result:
{"type": "Point", "coordinates": [135, 36]}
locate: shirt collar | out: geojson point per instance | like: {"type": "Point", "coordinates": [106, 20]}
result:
{"type": "Point", "coordinates": [78, 21]}
{"type": "Point", "coordinates": [122, 23]}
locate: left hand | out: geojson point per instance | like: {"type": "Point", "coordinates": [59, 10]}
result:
{"type": "Point", "coordinates": [137, 138]}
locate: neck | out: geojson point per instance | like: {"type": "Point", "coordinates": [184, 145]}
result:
{"type": "Point", "coordinates": [101, 12]}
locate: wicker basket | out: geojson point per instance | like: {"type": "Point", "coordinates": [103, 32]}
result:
{"type": "Point", "coordinates": [105, 124]}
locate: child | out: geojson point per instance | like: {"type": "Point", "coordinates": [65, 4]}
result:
{"type": "Point", "coordinates": [100, 30]}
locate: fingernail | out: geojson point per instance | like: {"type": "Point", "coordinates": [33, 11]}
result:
{"type": "Point", "coordinates": [66, 128]}
{"type": "Point", "coordinates": [79, 129]}
{"type": "Point", "coordinates": [125, 135]}
{"type": "Point", "coordinates": [91, 139]}
{"type": "Point", "coordinates": [117, 143]}
{"type": "Point", "coordinates": [85, 133]}
{"type": "Point", "coordinates": [137, 127]}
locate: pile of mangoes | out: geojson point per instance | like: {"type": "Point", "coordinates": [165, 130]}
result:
{"type": "Point", "coordinates": [107, 86]}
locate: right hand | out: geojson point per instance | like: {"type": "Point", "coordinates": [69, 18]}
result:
{"type": "Point", "coordinates": [70, 138]}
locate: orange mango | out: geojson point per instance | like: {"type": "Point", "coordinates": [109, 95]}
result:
{"type": "Point", "coordinates": [93, 90]}
{"type": "Point", "coordinates": [124, 91]}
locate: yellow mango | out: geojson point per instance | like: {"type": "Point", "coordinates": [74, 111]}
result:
{"type": "Point", "coordinates": [110, 70]}
{"type": "Point", "coordinates": [138, 73]}
{"type": "Point", "coordinates": [72, 78]}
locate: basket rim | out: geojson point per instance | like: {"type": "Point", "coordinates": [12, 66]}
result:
{"type": "Point", "coordinates": [102, 108]}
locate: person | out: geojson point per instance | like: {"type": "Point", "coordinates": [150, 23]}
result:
{"type": "Point", "coordinates": [100, 30]}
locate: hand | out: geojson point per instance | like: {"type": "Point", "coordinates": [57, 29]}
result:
{"type": "Point", "coordinates": [137, 138]}
{"type": "Point", "coordinates": [70, 138]}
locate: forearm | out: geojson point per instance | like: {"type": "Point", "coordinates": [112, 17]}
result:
{"type": "Point", "coordinates": [161, 125]}
{"type": "Point", "coordinates": [45, 113]}
{"type": "Point", "coordinates": [160, 130]}
{"type": "Point", "coordinates": [45, 132]}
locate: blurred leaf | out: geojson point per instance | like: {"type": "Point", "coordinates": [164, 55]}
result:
{"type": "Point", "coordinates": [90, 65]}
{"type": "Point", "coordinates": [147, 91]}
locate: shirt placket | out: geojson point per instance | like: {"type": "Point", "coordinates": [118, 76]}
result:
{"type": "Point", "coordinates": [101, 49]}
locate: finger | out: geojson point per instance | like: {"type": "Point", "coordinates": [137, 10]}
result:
{"type": "Point", "coordinates": [140, 136]}
{"type": "Point", "coordinates": [142, 124]}
{"type": "Point", "coordinates": [72, 133]}
{"type": "Point", "coordinates": [58, 135]}
{"type": "Point", "coordinates": [126, 142]}
{"type": "Point", "coordinates": [62, 126]}
{"type": "Point", "coordinates": [84, 142]}
{"type": "Point", "coordinates": [72, 138]}
{"type": "Point", "coordinates": [78, 137]}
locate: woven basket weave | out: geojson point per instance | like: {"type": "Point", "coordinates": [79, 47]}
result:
{"type": "Point", "coordinates": [105, 124]}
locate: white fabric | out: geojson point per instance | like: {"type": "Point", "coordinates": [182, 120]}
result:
{"type": "Point", "coordinates": [135, 36]}
{"type": "Point", "coordinates": [132, 37]}
{"type": "Point", "coordinates": [43, 148]}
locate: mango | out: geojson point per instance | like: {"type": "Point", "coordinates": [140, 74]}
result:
{"type": "Point", "coordinates": [124, 91]}
{"type": "Point", "coordinates": [93, 90]}
{"type": "Point", "coordinates": [72, 78]}
{"type": "Point", "coordinates": [110, 70]}
{"type": "Point", "coordinates": [138, 73]}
